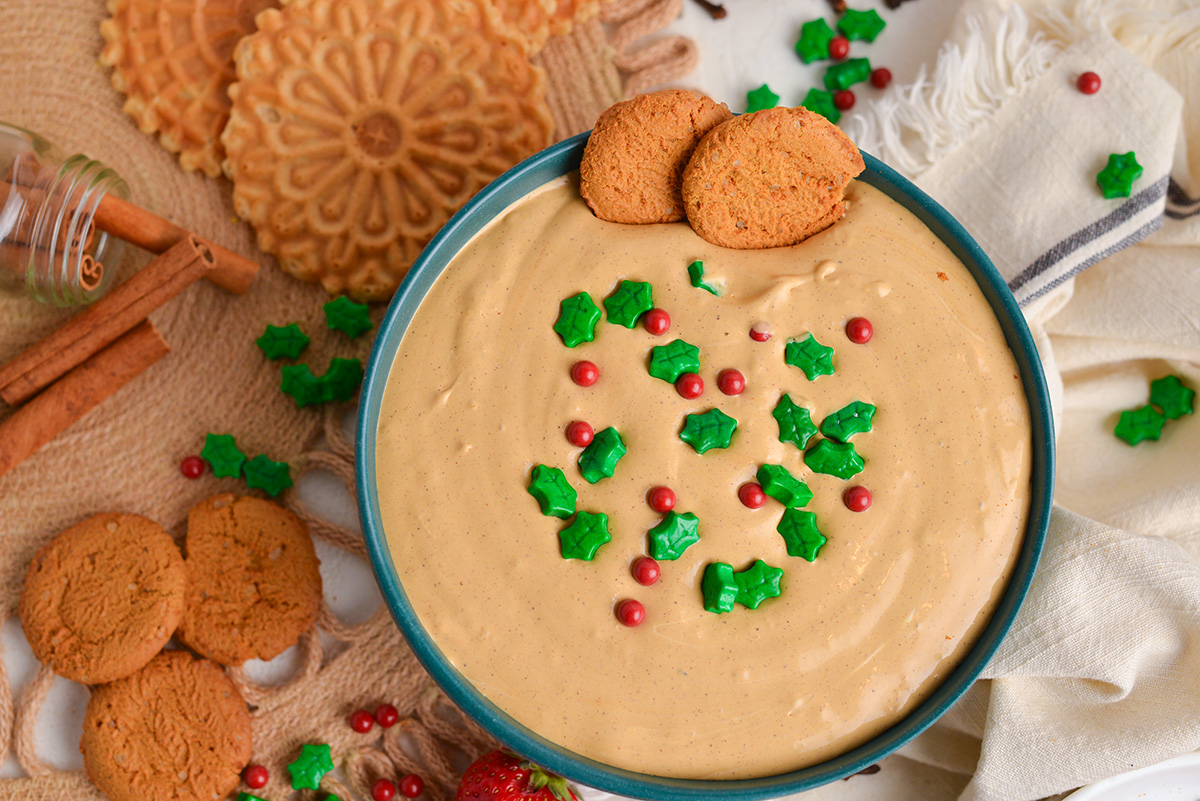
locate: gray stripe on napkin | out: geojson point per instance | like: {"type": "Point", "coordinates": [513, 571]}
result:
{"type": "Point", "coordinates": [1179, 205]}
{"type": "Point", "coordinates": [1132, 239]}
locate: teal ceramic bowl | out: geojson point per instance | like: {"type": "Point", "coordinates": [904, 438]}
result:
{"type": "Point", "coordinates": [514, 184]}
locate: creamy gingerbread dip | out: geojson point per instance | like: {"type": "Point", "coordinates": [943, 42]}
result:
{"type": "Point", "coordinates": [481, 392]}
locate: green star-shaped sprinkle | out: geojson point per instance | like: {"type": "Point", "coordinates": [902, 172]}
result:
{"type": "Point", "coordinates": [1171, 396]}
{"type": "Point", "coordinates": [834, 459]}
{"type": "Point", "coordinates": [343, 314]}
{"type": "Point", "coordinates": [1116, 179]}
{"type": "Point", "coordinates": [599, 459]}
{"type": "Point", "coordinates": [781, 485]}
{"type": "Point", "coordinates": [1136, 425]}
{"type": "Point", "coordinates": [821, 102]}
{"type": "Point", "coordinates": [719, 587]}
{"type": "Point", "coordinates": [282, 342]}
{"type": "Point", "coordinates": [223, 455]}
{"type": "Point", "coordinates": [760, 98]}
{"type": "Point", "coordinates": [800, 533]}
{"type": "Point", "coordinates": [713, 429]}
{"type": "Point", "coordinates": [813, 44]}
{"type": "Point", "coordinates": [810, 356]}
{"type": "Point", "coordinates": [299, 382]}
{"type": "Point", "coordinates": [552, 491]}
{"type": "Point", "coordinates": [584, 536]}
{"type": "Point", "coordinates": [341, 380]}
{"type": "Point", "coordinates": [757, 583]}
{"type": "Point", "coordinates": [248, 797]}
{"type": "Point", "coordinates": [696, 278]}
{"type": "Point", "coordinates": [629, 302]}
{"type": "Point", "coordinates": [310, 767]}
{"type": "Point", "coordinates": [795, 422]}
{"type": "Point", "coordinates": [849, 72]}
{"type": "Point", "coordinates": [854, 418]}
{"type": "Point", "coordinates": [861, 25]}
{"type": "Point", "coordinates": [577, 318]}
{"type": "Point", "coordinates": [264, 474]}
{"type": "Point", "coordinates": [673, 359]}
{"type": "Point", "coordinates": [674, 535]}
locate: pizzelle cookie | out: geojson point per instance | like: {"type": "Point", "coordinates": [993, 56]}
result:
{"type": "Point", "coordinates": [769, 179]}
{"type": "Point", "coordinates": [103, 597]}
{"type": "Point", "coordinates": [632, 167]}
{"type": "Point", "coordinates": [253, 582]}
{"type": "Point", "coordinates": [358, 128]}
{"type": "Point", "coordinates": [177, 729]}
{"type": "Point", "coordinates": [538, 20]}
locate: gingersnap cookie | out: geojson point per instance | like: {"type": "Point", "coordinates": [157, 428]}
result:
{"type": "Point", "coordinates": [103, 597]}
{"type": "Point", "coordinates": [177, 729]}
{"type": "Point", "coordinates": [173, 60]}
{"type": "Point", "coordinates": [357, 129]}
{"type": "Point", "coordinates": [253, 583]}
{"type": "Point", "coordinates": [768, 179]}
{"type": "Point", "coordinates": [632, 167]}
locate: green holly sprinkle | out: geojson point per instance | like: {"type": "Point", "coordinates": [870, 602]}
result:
{"type": "Point", "coordinates": [855, 418]}
{"type": "Point", "coordinates": [862, 26]}
{"type": "Point", "coordinates": [301, 385]}
{"type": "Point", "coordinates": [760, 98]}
{"type": "Point", "coordinates": [800, 533]}
{"type": "Point", "coordinates": [1117, 177]}
{"type": "Point", "coordinates": [696, 278]}
{"type": "Point", "coordinates": [584, 536]}
{"type": "Point", "coordinates": [577, 318]}
{"type": "Point", "coordinates": [343, 314]}
{"type": "Point", "coordinates": [284, 342]}
{"type": "Point", "coordinates": [810, 356]}
{"type": "Point", "coordinates": [713, 429]}
{"type": "Point", "coordinates": [757, 583]}
{"type": "Point", "coordinates": [599, 459]}
{"type": "Point", "coordinates": [310, 767]}
{"type": "Point", "coordinates": [674, 535]}
{"type": "Point", "coordinates": [1171, 396]}
{"type": "Point", "coordinates": [781, 485]}
{"type": "Point", "coordinates": [672, 360]}
{"type": "Point", "coordinates": [1136, 425]}
{"type": "Point", "coordinates": [629, 302]}
{"type": "Point", "coordinates": [223, 455]}
{"type": "Point", "coordinates": [834, 459]}
{"type": "Point", "coordinates": [846, 74]}
{"type": "Point", "coordinates": [795, 422]}
{"type": "Point", "coordinates": [821, 102]}
{"type": "Point", "coordinates": [553, 492]}
{"type": "Point", "coordinates": [813, 44]}
{"type": "Point", "coordinates": [719, 587]}
{"type": "Point", "coordinates": [248, 797]}
{"type": "Point", "coordinates": [341, 380]}
{"type": "Point", "coordinates": [264, 474]}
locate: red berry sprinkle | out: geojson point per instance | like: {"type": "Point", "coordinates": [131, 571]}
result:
{"type": "Point", "coordinates": [361, 721]}
{"type": "Point", "coordinates": [192, 467]}
{"type": "Point", "coordinates": [585, 373]}
{"type": "Point", "coordinates": [731, 382]}
{"type": "Point", "coordinates": [859, 330]}
{"type": "Point", "coordinates": [631, 612]}
{"type": "Point", "coordinates": [383, 790]}
{"type": "Point", "coordinates": [580, 434]}
{"type": "Point", "coordinates": [839, 47]}
{"type": "Point", "coordinates": [857, 499]}
{"type": "Point", "coordinates": [881, 77]}
{"type": "Point", "coordinates": [256, 776]}
{"type": "Point", "coordinates": [1088, 83]}
{"type": "Point", "coordinates": [387, 716]}
{"type": "Point", "coordinates": [760, 332]}
{"type": "Point", "coordinates": [645, 570]}
{"type": "Point", "coordinates": [411, 785]}
{"type": "Point", "coordinates": [662, 499]}
{"type": "Point", "coordinates": [751, 495]}
{"type": "Point", "coordinates": [690, 386]}
{"type": "Point", "coordinates": [657, 322]}
{"type": "Point", "coordinates": [844, 100]}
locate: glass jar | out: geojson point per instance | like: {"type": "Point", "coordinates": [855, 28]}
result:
{"type": "Point", "coordinates": [50, 248]}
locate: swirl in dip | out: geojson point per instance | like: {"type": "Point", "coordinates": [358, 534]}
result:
{"type": "Point", "coordinates": [480, 393]}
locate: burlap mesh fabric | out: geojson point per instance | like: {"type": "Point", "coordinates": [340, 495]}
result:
{"type": "Point", "coordinates": [124, 455]}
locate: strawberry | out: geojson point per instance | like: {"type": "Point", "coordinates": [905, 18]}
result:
{"type": "Point", "coordinates": [504, 776]}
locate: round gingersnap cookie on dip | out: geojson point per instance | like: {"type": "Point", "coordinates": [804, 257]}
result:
{"type": "Point", "coordinates": [253, 582]}
{"type": "Point", "coordinates": [103, 597]}
{"type": "Point", "coordinates": [769, 179]}
{"type": "Point", "coordinates": [177, 729]}
{"type": "Point", "coordinates": [633, 163]}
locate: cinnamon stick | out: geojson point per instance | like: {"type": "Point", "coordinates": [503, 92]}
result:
{"type": "Point", "coordinates": [105, 320]}
{"type": "Point", "coordinates": [78, 392]}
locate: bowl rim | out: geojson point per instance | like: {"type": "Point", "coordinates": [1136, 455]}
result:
{"type": "Point", "coordinates": [554, 162]}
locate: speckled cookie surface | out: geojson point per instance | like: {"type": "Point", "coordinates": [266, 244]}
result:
{"type": "Point", "coordinates": [176, 729]}
{"type": "Point", "coordinates": [253, 583]}
{"type": "Point", "coordinates": [103, 597]}
{"type": "Point", "coordinates": [633, 163]}
{"type": "Point", "coordinates": [769, 179]}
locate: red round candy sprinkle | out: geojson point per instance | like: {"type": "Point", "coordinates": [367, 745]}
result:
{"type": "Point", "coordinates": [1088, 83]}
{"type": "Point", "coordinates": [662, 499]}
{"type": "Point", "coordinates": [387, 716]}
{"type": "Point", "coordinates": [383, 790]}
{"type": "Point", "coordinates": [751, 495]}
{"type": "Point", "coordinates": [690, 386]}
{"type": "Point", "coordinates": [760, 332]}
{"type": "Point", "coordinates": [859, 330]}
{"type": "Point", "coordinates": [585, 373]}
{"type": "Point", "coordinates": [361, 721]}
{"type": "Point", "coordinates": [657, 322]}
{"type": "Point", "coordinates": [839, 47]}
{"type": "Point", "coordinates": [844, 100]}
{"type": "Point", "coordinates": [631, 612]}
{"type": "Point", "coordinates": [580, 434]}
{"type": "Point", "coordinates": [256, 776]}
{"type": "Point", "coordinates": [192, 467]}
{"type": "Point", "coordinates": [881, 77]}
{"type": "Point", "coordinates": [411, 785]}
{"type": "Point", "coordinates": [857, 499]}
{"type": "Point", "coordinates": [731, 382]}
{"type": "Point", "coordinates": [645, 570]}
